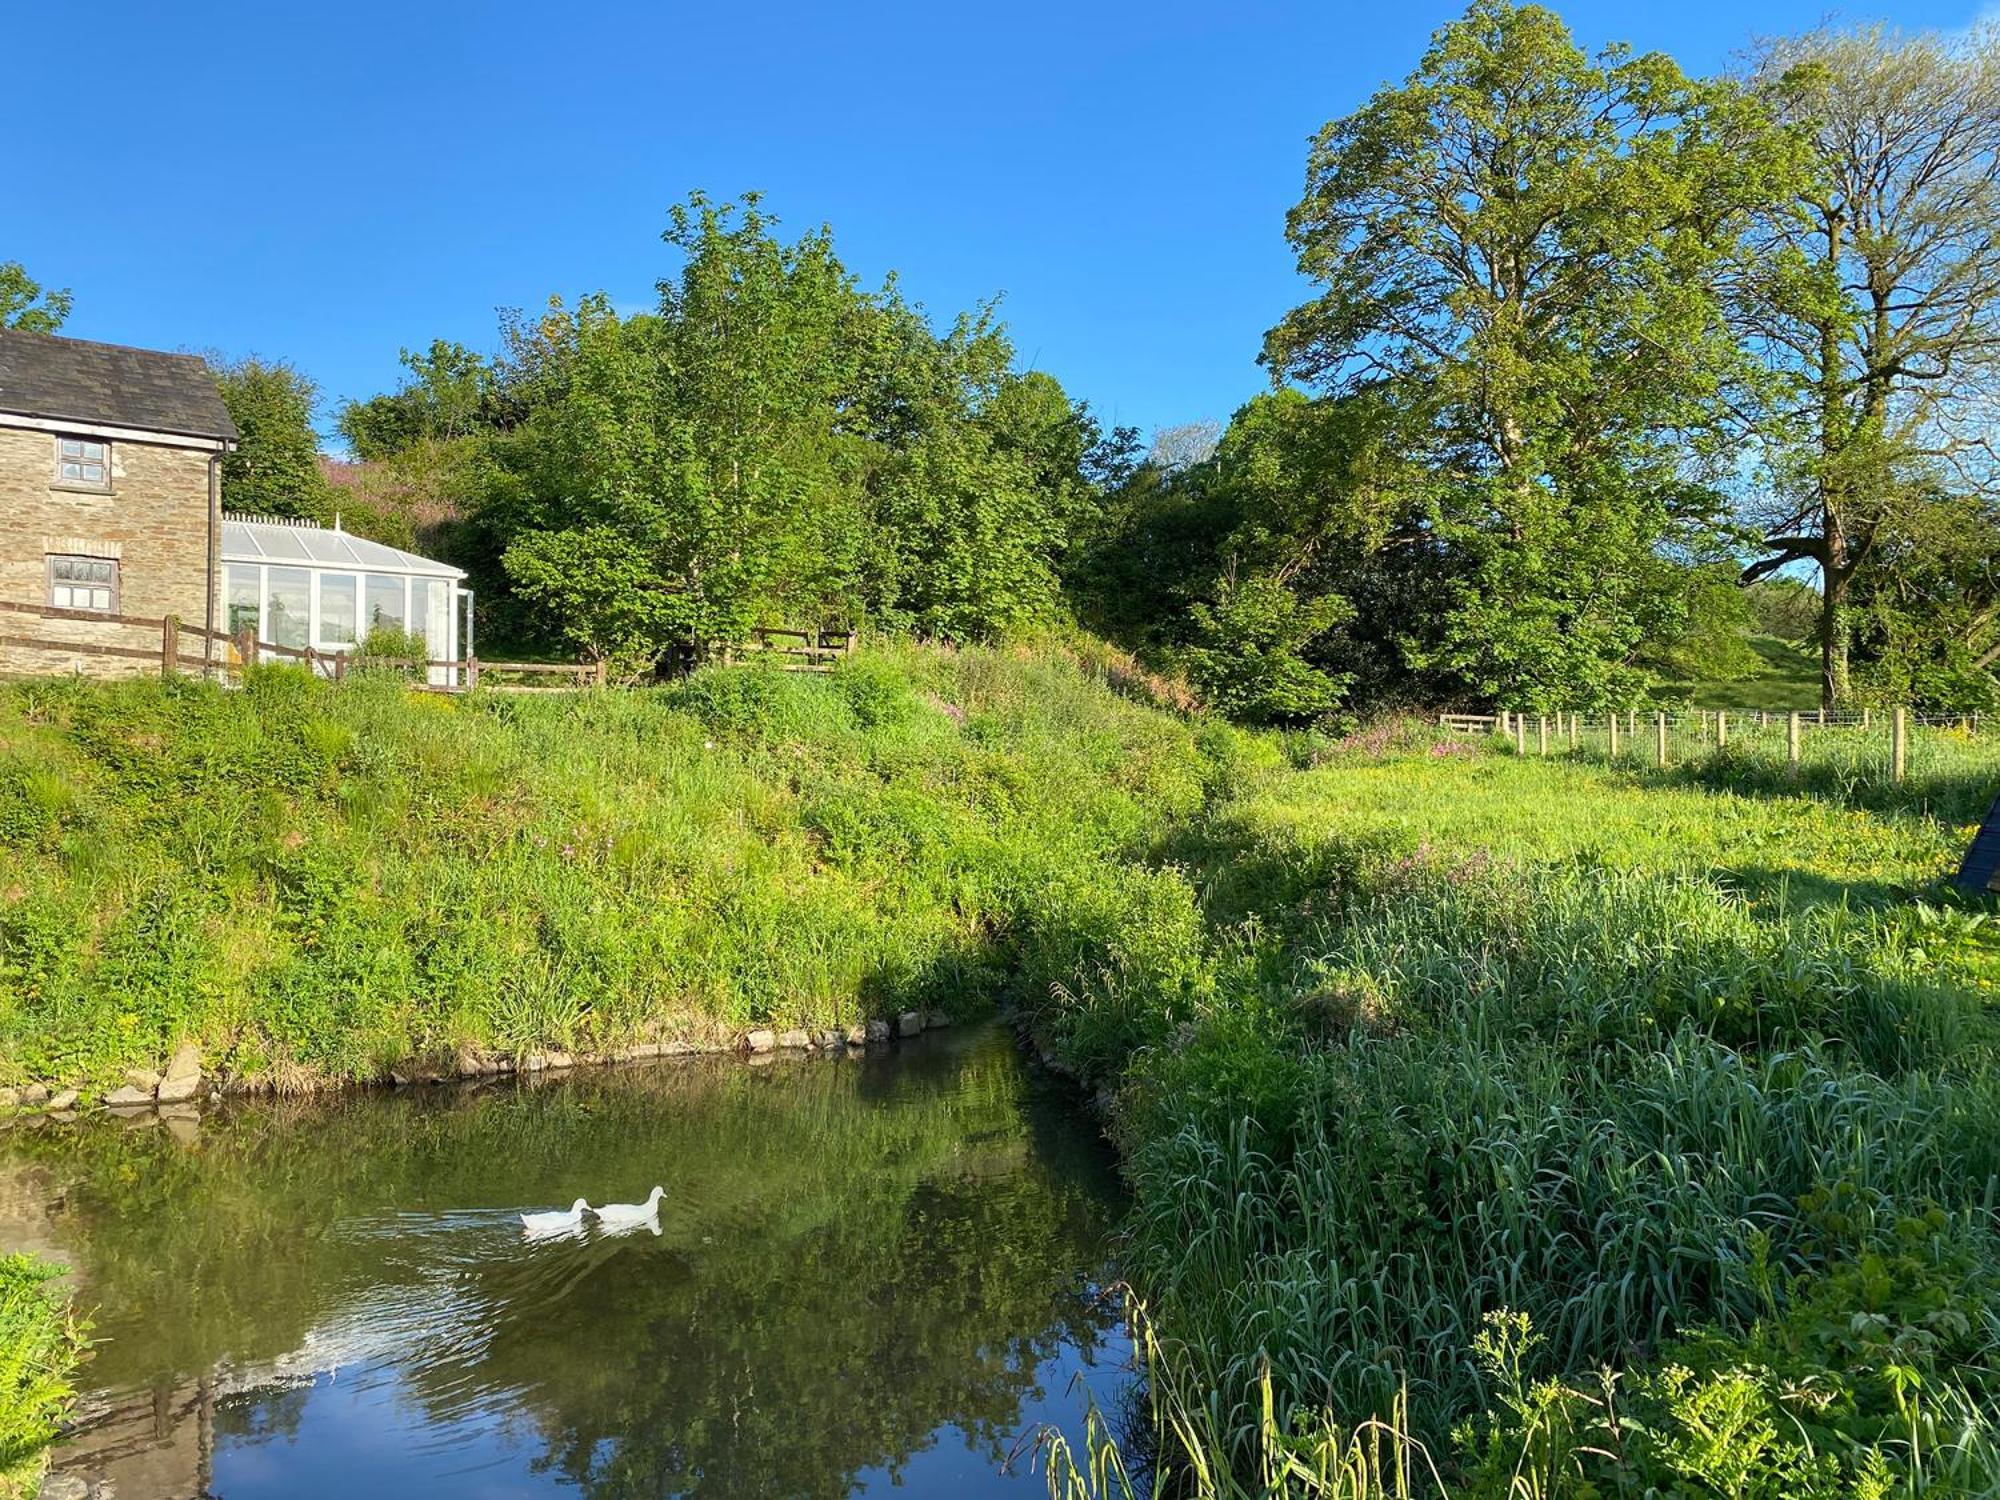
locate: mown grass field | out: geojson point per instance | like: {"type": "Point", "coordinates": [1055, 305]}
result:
{"type": "Point", "coordinates": [1444, 1077]}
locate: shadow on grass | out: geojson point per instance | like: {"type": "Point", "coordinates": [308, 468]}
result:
{"type": "Point", "coordinates": [1951, 795]}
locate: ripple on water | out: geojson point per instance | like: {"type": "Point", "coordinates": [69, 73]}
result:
{"type": "Point", "coordinates": [896, 1259]}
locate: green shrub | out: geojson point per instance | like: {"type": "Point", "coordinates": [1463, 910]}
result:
{"type": "Point", "coordinates": [41, 1343]}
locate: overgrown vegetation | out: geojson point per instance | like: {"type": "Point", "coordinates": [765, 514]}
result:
{"type": "Point", "coordinates": [41, 1342]}
{"type": "Point", "coordinates": [1691, 1071]}
{"type": "Point", "coordinates": [1509, 1072]}
{"type": "Point", "coordinates": [320, 881]}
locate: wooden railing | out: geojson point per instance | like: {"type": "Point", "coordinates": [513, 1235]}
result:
{"type": "Point", "coordinates": [804, 651]}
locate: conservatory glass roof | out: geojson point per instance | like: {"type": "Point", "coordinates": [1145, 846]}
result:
{"type": "Point", "coordinates": [253, 539]}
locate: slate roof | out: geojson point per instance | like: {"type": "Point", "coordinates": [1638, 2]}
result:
{"type": "Point", "coordinates": [75, 380]}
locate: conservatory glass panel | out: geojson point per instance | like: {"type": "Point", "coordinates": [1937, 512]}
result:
{"type": "Point", "coordinates": [433, 597]}
{"type": "Point", "coordinates": [243, 597]}
{"type": "Point", "coordinates": [386, 607]}
{"type": "Point", "coordinates": [288, 601]}
{"type": "Point", "coordinates": [339, 608]}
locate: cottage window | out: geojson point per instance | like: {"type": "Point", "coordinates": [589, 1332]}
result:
{"type": "Point", "coordinates": [83, 463]}
{"type": "Point", "coordinates": [83, 583]}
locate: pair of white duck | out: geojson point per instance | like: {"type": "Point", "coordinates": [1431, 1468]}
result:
{"type": "Point", "coordinates": [610, 1216]}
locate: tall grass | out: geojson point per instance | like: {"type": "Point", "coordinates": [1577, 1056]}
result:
{"type": "Point", "coordinates": [1630, 1060]}
{"type": "Point", "coordinates": [327, 881]}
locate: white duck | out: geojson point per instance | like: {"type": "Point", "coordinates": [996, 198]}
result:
{"type": "Point", "coordinates": [555, 1223]}
{"type": "Point", "coordinates": [625, 1215]}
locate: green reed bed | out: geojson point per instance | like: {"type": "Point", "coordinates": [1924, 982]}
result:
{"type": "Point", "coordinates": [1514, 1071]}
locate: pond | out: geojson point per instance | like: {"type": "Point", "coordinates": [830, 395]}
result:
{"type": "Point", "coordinates": [870, 1273]}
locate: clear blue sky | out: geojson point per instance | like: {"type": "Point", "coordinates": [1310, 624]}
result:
{"type": "Point", "coordinates": [328, 183]}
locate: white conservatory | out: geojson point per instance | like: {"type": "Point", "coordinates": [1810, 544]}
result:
{"type": "Point", "coordinates": [299, 584]}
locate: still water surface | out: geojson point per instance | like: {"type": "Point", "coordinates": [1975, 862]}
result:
{"type": "Point", "coordinates": [870, 1274]}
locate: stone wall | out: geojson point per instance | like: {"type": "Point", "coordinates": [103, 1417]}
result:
{"type": "Point", "coordinates": [154, 521]}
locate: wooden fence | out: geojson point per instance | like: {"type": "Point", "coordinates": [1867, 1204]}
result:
{"type": "Point", "coordinates": [1665, 738]}
{"type": "Point", "coordinates": [215, 651]}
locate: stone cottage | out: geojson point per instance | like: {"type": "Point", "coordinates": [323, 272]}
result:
{"type": "Point", "coordinates": [110, 497]}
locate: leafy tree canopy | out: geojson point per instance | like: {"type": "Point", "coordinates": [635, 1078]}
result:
{"type": "Point", "coordinates": [26, 304]}
{"type": "Point", "coordinates": [275, 469]}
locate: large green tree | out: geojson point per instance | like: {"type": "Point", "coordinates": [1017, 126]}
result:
{"type": "Point", "coordinates": [1883, 303]}
{"type": "Point", "coordinates": [448, 392]}
{"type": "Point", "coordinates": [1525, 257]}
{"type": "Point", "coordinates": [777, 445]}
{"type": "Point", "coordinates": [275, 469]}
{"type": "Point", "coordinates": [26, 304]}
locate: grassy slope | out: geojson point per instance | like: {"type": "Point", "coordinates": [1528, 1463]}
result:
{"type": "Point", "coordinates": [321, 882]}
{"type": "Point", "coordinates": [1786, 678]}
{"type": "Point", "coordinates": [1401, 1039]}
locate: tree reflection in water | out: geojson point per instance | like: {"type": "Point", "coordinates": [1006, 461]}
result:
{"type": "Point", "coordinates": [852, 1255]}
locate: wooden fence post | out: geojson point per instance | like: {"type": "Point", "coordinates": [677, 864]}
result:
{"type": "Point", "coordinates": [1821, 719]}
{"type": "Point", "coordinates": [1899, 745]}
{"type": "Point", "coordinates": [1611, 720]}
{"type": "Point", "coordinates": [471, 673]}
{"type": "Point", "coordinates": [246, 647]}
{"type": "Point", "coordinates": [603, 674]}
{"type": "Point", "coordinates": [1867, 719]}
{"type": "Point", "coordinates": [1721, 727]}
{"type": "Point", "coordinates": [170, 645]}
{"type": "Point", "coordinates": [1792, 740]}
{"type": "Point", "coordinates": [1520, 734]}
{"type": "Point", "coordinates": [1660, 734]}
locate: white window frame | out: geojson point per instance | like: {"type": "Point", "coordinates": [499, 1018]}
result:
{"type": "Point", "coordinates": [80, 460]}
{"type": "Point", "coordinates": [453, 595]}
{"type": "Point", "coordinates": [320, 640]}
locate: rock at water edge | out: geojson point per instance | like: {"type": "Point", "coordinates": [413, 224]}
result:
{"type": "Point", "coordinates": [183, 1077]}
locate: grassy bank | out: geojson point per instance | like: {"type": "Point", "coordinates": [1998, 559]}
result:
{"type": "Point", "coordinates": [1444, 1078]}
{"type": "Point", "coordinates": [321, 882]}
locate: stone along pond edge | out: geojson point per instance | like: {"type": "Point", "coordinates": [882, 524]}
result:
{"type": "Point", "coordinates": [184, 1087]}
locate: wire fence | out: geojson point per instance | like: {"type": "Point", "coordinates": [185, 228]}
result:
{"type": "Point", "coordinates": [1882, 741]}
